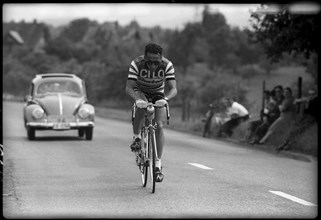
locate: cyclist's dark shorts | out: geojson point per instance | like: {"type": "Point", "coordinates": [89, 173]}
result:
{"type": "Point", "coordinates": [152, 97]}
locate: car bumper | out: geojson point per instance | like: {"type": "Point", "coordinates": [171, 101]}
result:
{"type": "Point", "coordinates": [59, 126]}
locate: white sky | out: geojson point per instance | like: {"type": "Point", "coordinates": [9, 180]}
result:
{"type": "Point", "coordinates": [147, 15]}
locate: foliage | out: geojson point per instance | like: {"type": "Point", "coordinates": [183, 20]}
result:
{"type": "Point", "coordinates": [209, 58]}
{"type": "Point", "coordinates": [76, 30]}
{"type": "Point", "coordinates": [15, 76]}
{"type": "Point", "coordinates": [221, 86]}
{"type": "Point", "coordinates": [60, 47]}
{"type": "Point", "coordinates": [249, 71]}
{"type": "Point", "coordinates": [284, 31]}
{"type": "Point", "coordinates": [217, 36]}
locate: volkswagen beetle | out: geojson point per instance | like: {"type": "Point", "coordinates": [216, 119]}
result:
{"type": "Point", "coordinates": [58, 101]}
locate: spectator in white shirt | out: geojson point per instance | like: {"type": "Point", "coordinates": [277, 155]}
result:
{"type": "Point", "coordinates": [237, 114]}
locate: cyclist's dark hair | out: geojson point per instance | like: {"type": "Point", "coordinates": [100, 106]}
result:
{"type": "Point", "coordinates": [153, 48]}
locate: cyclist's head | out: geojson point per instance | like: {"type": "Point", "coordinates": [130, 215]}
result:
{"type": "Point", "coordinates": [153, 56]}
{"type": "Point", "coordinates": [153, 48]}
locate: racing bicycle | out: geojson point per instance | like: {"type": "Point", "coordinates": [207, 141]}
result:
{"type": "Point", "coordinates": [147, 155]}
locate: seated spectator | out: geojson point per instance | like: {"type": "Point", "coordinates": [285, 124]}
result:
{"type": "Point", "coordinates": [221, 118]}
{"type": "Point", "coordinates": [270, 114]}
{"type": "Point", "coordinates": [309, 117]}
{"type": "Point", "coordinates": [253, 125]}
{"type": "Point", "coordinates": [279, 94]}
{"type": "Point", "coordinates": [310, 104]}
{"type": "Point", "coordinates": [237, 114]}
{"type": "Point", "coordinates": [287, 109]}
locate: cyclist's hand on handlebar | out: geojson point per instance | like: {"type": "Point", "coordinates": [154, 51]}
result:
{"type": "Point", "coordinates": [141, 103]}
{"type": "Point", "coordinates": [161, 103]}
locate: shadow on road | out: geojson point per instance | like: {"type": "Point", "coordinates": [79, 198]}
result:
{"type": "Point", "coordinates": [57, 138]}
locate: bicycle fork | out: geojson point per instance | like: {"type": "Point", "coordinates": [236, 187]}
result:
{"type": "Point", "coordinates": [153, 139]}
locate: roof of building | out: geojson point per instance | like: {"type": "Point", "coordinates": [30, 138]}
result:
{"type": "Point", "coordinates": [16, 36]}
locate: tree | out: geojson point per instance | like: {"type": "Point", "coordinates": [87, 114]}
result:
{"type": "Point", "coordinates": [284, 31]}
{"type": "Point", "coordinates": [244, 50]}
{"type": "Point", "coordinates": [181, 53]}
{"type": "Point", "coordinates": [217, 35]}
{"type": "Point", "coordinates": [77, 29]}
{"type": "Point", "coordinates": [60, 47]}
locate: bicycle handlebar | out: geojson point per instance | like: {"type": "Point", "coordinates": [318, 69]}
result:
{"type": "Point", "coordinates": [150, 104]}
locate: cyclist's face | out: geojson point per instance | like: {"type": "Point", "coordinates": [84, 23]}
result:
{"type": "Point", "coordinates": [152, 60]}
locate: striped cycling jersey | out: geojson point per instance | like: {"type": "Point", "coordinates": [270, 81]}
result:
{"type": "Point", "coordinates": [147, 81]}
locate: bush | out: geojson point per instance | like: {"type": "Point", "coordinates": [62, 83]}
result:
{"type": "Point", "coordinates": [307, 142]}
{"type": "Point", "coordinates": [249, 71]}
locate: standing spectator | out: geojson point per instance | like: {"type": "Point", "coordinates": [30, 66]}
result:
{"type": "Point", "coordinates": [208, 120]}
{"type": "Point", "coordinates": [287, 109]}
{"type": "Point", "coordinates": [309, 117]}
{"type": "Point", "coordinates": [237, 113]}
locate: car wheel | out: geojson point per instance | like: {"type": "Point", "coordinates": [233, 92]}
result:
{"type": "Point", "coordinates": [89, 133]}
{"type": "Point", "coordinates": [81, 132]}
{"type": "Point", "coordinates": [31, 133]}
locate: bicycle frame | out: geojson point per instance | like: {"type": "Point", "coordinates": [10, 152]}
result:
{"type": "Point", "coordinates": [147, 156]}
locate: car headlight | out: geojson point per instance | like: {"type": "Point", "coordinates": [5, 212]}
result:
{"type": "Point", "coordinates": [83, 113]}
{"type": "Point", "coordinates": [38, 113]}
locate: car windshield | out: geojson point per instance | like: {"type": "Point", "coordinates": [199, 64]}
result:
{"type": "Point", "coordinates": [64, 87]}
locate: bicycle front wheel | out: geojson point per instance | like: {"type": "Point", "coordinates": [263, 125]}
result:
{"type": "Point", "coordinates": [144, 174]}
{"type": "Point", "coordinates": [152, 165]}
{"type": "Point", "coordinates": [144, 166]}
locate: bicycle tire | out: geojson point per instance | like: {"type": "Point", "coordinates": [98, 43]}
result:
{"type": "Point", "coordinates": [153, 158]}
{"type": "Point", "coordinates": [144, 168]}
{"type": "Point", "coordinates": [144, 174]}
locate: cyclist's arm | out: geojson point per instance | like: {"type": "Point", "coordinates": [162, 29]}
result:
{"type": "Point", "coordinates": [130, 85]}
{"type": "Point", "coordinates": [172, 90]}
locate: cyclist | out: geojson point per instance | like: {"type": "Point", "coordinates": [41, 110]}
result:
{"type": "Point", "coordinates": [148, 75]}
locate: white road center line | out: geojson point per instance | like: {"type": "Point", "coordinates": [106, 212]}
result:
{"type": "Point", "coordinates": [200, 166]}
{"type": "Point", "coordinates": [293, 198]}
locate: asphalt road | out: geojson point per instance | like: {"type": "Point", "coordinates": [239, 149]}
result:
{"type": "Point", "coordinates": [61, 175]}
